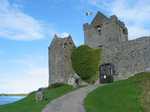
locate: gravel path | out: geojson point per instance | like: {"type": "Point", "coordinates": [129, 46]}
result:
{"type": "Point", "coordinates": [71, 102]}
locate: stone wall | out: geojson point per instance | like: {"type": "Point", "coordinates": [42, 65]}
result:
{"type": "Point", "coordinates": [110, 34]}
{"type": "Point", "coordinates": [108, 31]}
{"type": "Point", "coordinates": [129, 57]}
{"type": "Point", "coordinates": [60, 66]}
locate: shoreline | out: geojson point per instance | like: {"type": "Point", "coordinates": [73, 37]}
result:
{"type": "Point", "coordinates": [13, 94]}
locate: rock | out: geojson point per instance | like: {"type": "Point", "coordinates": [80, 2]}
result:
{"type": "Point", "coordinates": [75, 80]}
{"type": "Point", "coordinates": [39, 96]}
{"type": "Point", "coordinates": [71, 81]}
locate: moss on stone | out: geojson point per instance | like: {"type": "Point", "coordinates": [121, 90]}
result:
{"type": "Point", "coordinates": [85, 61]}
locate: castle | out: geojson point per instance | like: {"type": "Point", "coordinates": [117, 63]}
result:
{"type": "Point", "coordinates": [111, 35]}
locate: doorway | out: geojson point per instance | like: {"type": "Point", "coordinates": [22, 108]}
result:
{"type": "Point", "coordinates": [107, 70]}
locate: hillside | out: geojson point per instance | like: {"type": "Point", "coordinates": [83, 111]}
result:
{"type": "Point", "coordinates": [131, 95]}
{"type": "Point", "coordinates": [29, 104]}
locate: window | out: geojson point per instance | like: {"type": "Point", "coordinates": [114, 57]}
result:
{"type": "Point", "coordinates": [125, 31]}
{"type": "Point", "coordinates": [64, 45]}
{"type": "Point", "coordinates": [99, 28]}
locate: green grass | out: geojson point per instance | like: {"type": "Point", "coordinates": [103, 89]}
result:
{"type": "Point", "coordinates": [129, 95]}
{"type": "Point", "coordinates": [29, 104]}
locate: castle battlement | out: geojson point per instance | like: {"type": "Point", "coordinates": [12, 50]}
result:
{"type": "Point", "coordinates": [103, 30]}
{"type": "Point", "coordinates": [128, 57]}
{"type": "Point", "coordinates": [111, 34]}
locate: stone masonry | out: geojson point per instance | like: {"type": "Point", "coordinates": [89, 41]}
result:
{"type": "Point", "coordinates": [110, 34]}
{"type": "Point", "coordinates": [60, 66]}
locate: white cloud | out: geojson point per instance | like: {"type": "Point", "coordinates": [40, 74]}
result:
{"type": "Point", "coordinates": [30, 73]}
{"type": "Point", "coordinates": [27, 81]}
{"type": "Point", "coordinates": [137, 31]}
{"type": "Point", "coordinates": [17, 25]}
{"type": "Point", "coordinates": [63, 35]}
{"type": "Point", "coordinates": [135, 14]}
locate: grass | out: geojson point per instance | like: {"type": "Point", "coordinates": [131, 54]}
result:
{"type": "Point", "coordinates": [29, 104]}
{"type": "Point", "coordinates": [131, 95]}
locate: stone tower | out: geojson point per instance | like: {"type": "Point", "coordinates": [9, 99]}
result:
{"type": "Point", "coordinates": [60, 66]}
{"type": "Point", "coordinates": [128, 56]}
{"type": "Point", "coordinates": [103, 31]}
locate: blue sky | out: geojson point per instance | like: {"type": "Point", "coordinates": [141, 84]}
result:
{"type": "Point", "coordinates": [27, 28]}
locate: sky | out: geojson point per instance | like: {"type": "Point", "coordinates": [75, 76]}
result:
{"type": "Point", "coordinates": [27, 28]}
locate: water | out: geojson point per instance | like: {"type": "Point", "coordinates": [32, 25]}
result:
{"type": "Point", "coordinates": [9, 99]}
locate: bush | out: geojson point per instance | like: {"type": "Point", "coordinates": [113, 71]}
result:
{"type": "Point", "coordinates": [85, 61]}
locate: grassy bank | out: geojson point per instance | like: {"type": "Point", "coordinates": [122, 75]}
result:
{"type": "Point", "coordinates": [131, 95]}
{"type": "Point", "coordinates": [29, 104]}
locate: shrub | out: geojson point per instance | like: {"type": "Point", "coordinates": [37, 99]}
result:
{"type": "Point", "coordinates": [85, 61]}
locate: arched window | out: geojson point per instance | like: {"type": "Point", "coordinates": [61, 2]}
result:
{"type": "Point", "coordinates": [125, 31]}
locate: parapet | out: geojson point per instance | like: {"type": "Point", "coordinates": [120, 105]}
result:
{"type": "Point", "coordinates": [99, 19]}
{"type": "Point", "coordinates": [114, 18]}
{"type": "Point", "coordinates": [57, 38]}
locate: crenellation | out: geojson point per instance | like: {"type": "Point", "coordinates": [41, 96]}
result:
{"type": "Point", "coordinates": [114, 18]}
{"type": "Point", "coordinates": [99, 19]}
